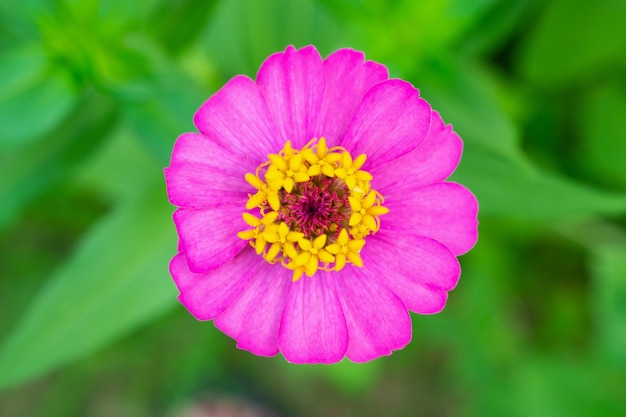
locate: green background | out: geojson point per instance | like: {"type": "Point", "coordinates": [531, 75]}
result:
{"type": "Point", "coordinates": [92, 97]}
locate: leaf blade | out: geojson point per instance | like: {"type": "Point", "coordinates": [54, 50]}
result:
{"type": "Point", "coordinates": [108, 287]}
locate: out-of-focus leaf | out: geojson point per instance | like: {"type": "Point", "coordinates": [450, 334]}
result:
{"type": "Point", "coordinates": [111, 16]}
{"type": "Point", "coordinates": [242, 33]}
{"type": "Point", "coordinates": [573, 39]}
{"type": "Point", "coordinates": [20, 67]}
{"type": "Point", "coordinates": [551, 386]}
{"type": "Point", "coordinates": [494, 28]}
{"type": "Point", "coordinates": [509, 190]}
{"type": "Point", "coordinates": [159, 105]}
{"type": "Point", "coordinates": [353, 377]}
{"type": "Point", "coordinates": [468, 97]}
{"type": "Point", "coordinates": [18, 19]}
{"type": "Point", "coordinates": [349, 377]}
{"type": "Point", "coordinates": [116, 280]}
{"type": "Point", "coordinates": [478, 334]}
{"type": "Point", "coordinates": [402, 33]}
{"type": "Point", "coordinates": [93, 45]}
{"type": "Point", "coordinates": [164, 113]}
{"type": "Point", "coordinates": [27, 172]}
{"type": "Point", "coordinates": [603, 130]}
{"type": "Point", "coordinates": [608, 267]}
{"type": "Point", "coordinates": [33, 97]}
{"type": "Point", "coordinates": [174, 37]}
{"type": "Point", "coordinates": [120, 167]}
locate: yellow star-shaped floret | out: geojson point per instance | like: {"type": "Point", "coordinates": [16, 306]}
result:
{"type": "Point", "coordinates": [349, 170]}
{"type": "Point", "coordinates": [346, 249]}
{"type": "Point", "coordinates": [263, 195]}
{"type": "Point", "coordinates": [366, 211]}
{"type": "Point", "coordinates": [260, 225]}
{"type": "Point", "coordinates": [281, 238]}
{"type": "Point", "coordinates": [286, 170]}
{"type": "Point", "coordinates": [311, 252]}
{"type": "Point", "coordinates": [320, 161]}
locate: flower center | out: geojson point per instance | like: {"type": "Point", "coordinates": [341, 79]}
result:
{"type": "Point", "coordinates": [315, 207]}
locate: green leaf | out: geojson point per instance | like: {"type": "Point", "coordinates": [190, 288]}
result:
{"type": "Point", "coordinates": [496, 26]}
{"type": "Point", "coordinates": [164, 113]}
{"type": "Point", "coordinates": [552, 386]}
{"type": "Point", "coordinates": [243, 33]}
{"type": "Point", "coordinates": [403, 33]}
{"type": "Point", "coordinates": [608, 302]}
{"type": "Point", "coordinates": [352, 377]}
{"type": "Point", "coordinates": [35, 98]}
{"type": "Point", "coordinates": [160, 103]}
{"type": "Point", "coordinates": [116, 280]}
{"type": "Point", "coordinates": [603, 132]}
{"type": "Point", "coordinates": [20, 67]}
{"type": "Point", "coordinates": [347, 376]}
{"type": "Point", "coordinates": [467, 96]}
{"type": "Point", "coordinates": [514, 191]}
{"type": "Point", "coordinates": [18, 19]}
{"type": "Point", "coordinates": [574, 39]}
{"type": "Point", "coordinates": [120, 167]}
{"type": "Point", "coordinates": [27, 172]}
{"type": "Point", "coordinates": [174, 37]}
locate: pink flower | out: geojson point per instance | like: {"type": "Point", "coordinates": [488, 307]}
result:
{"type": "Point", "coordinates": [313, 209]}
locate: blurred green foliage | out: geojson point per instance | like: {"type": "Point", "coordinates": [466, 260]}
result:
{"type": "Point", "coordinates": [92, 97]}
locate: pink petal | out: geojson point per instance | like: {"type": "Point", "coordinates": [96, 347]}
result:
{"type": "Point", "coordinates": [390, 121]}
{"type": "Point", "coordinates": [433, 161]}
{"type": "Point", "coordinates": [207, 294]}
{"type": "Point", "coordinates": [348, 78]}
{"type": "Point", "coordinates": [313, 328]}
{"type": "Point", "coordinates": [237, 118]}
{"type": "Point", "coordinates": [418, 269]}
{"type": "Point", "coordinates": [254, 318]}
{"type": "Point", "coordinates": [203, 174]}
{"type": "Point", "coordinates": [292, 83]}
{"type": "Point", "coordinates": [209, 236]}
{"type": "Point", "coordinates": [446, 212]}
{"type": "Point", "coordinates": [378, 322]}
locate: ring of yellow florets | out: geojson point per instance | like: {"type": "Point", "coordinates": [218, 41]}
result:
{"type": "Point", "coordinates": [315, 208]}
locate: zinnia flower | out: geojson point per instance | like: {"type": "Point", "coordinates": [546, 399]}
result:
{"type": "Point", "coordinates": [313, 209]}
